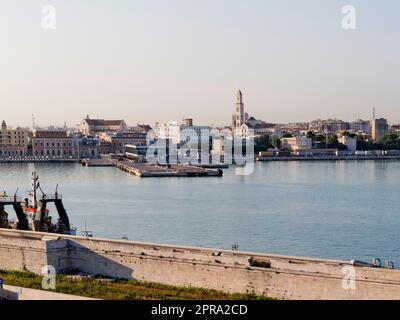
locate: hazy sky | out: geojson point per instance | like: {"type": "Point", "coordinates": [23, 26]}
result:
{"type": "Point", "coordinates": [148, 60]}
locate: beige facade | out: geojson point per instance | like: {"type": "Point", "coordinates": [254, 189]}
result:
{"type": "Point", "coordinates": [296, 143]}
{"type": "Point", "coordinates": [52, 143]}
{"type": "Point", "coordinates": [100, 126]}
{"type": "Point", "coordinates": [13, 142]}
{"type": "Point", "coordinates": [379, 127]}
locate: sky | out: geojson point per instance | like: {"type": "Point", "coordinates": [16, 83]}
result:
{"type": "Point", "coordinates": [158, 60]}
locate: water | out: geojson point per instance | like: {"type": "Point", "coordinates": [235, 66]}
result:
{"type": "Point", "coordinates": [346, 210]}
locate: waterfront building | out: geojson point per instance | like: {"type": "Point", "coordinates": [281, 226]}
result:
{"type": "Point", "coordinates": [169, 130]}
{"type": "Point", "coordinates": [296, 143]}
{"type": "Point", "coordinates": [13, 142]}
{"type": "Point", "coordinates": [89, 147]}
{"type": "Point", "coordinates": [179, 134]}
{"type": "Point", "coordinates": [120, 140]}
{"type": "Point", "coordinates": [349, 142]}
{"type": "Point", "coordinates": [379, 127]}
{"type": "Point", "coordinates": [52, 143]}
{"type": "Point", "coordinates": [136, 153]}
{"type": "Point", "coordinates": [100, 126]}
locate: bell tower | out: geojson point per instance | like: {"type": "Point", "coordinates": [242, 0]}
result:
{"type": "Point", "coordinates": [239, 114]}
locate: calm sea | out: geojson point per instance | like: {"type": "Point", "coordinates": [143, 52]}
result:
{"type": "Point", "coordinates": [323, 209]}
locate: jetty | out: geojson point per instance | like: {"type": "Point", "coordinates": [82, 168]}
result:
{"type": "Point", "coordinates": [97, 162]}
{"type": "Point", "coordinates": [153, 170]}
{"type": "Point", "coordinates": [173, 170]}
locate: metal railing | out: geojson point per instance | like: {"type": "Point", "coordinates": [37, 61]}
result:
{"type": "Point", "coordinates": [10, 199]}
{"type": "Point", "coordinates": [50, 196]}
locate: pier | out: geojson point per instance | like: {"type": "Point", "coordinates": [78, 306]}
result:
{"type": "Point", "coordinates": [97, 163]}
{"type": "Point", "coordinates": [152, 170]}
{"type": "Point", "coordinates": [176, 170]}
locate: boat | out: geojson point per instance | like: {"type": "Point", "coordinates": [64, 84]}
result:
{"type": "Point", "coordinates": [33, 214]}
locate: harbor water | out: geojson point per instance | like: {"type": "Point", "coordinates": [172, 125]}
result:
{"type": "Point", "coordinates": [327, 209]}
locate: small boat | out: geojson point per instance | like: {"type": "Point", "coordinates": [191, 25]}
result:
{"type": "Point", "coordinates": [33, 214]}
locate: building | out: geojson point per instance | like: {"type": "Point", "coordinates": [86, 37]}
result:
{"type": "Point", "coordinates": [136, 153]}
{"type": "Point", "coordinates": [379, 127]}
{"type": "Point", "coordinates": [361, 126]}
{"type": "Point", "coordinates": [100, 126]}
{"type": "Point", "coordinates": [240, 117]}
{"type": "Point", "coordinates": [257, 127]}
{"type": "Point", "coordinates": [120, 140]}
{"type": "Point", "coordinates": [296, 143]}
{"type": "Point", "coordinates": [13, 142]}
{"type": "Point", "coordinates": [179, 134]}
{"type": "Point", "coordinates": [395, 129]}
{"type": "Point", "coordinates": [90, 147]}
{"type": "Point", "coordinates": [141, 128]}
{"type": "Point", "coordinates": [245, 126]}
{"type": "Point", "coordinates": [55, 144]}
{"type": "Point", "coordinates": [329, 126]}
{"type": "Point", "coordinates": [169, 130]}
{"type": "Point", "coordinates": [349, 142]}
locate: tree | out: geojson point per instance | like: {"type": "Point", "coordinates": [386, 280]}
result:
{"type": "Point", "coordinates": [390, 141]}
{"type": "Point", "coordinates": [333, 143]}
{"type": "Point", "coordinates": [262, 143]}
{"type": "Point", "coordinates": [287, 135]}
{"type": "Point", "coordinates": [310, 135]}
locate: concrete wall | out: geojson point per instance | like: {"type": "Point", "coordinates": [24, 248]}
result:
{"type": "Point", "coordinates": [287, 277]}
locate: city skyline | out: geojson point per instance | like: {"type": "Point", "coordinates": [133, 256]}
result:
{"type": "Point", "coordinates": [155, 61]}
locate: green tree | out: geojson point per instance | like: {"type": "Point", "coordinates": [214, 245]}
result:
{"type": "Point", "coordinates": [287, 135]}
{"type": "Point", "coordinates": [262, 143]}
{"type": "Point", "coordinates": [390, 141]}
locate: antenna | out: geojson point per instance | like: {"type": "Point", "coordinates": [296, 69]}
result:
{"type": "Point", "coordinates": [33, 122]}
{"type": "Point", "coordinates": [373, 113]}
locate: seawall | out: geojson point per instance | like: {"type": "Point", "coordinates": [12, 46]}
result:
{"type": "Point", "coordinates": [276, 276]}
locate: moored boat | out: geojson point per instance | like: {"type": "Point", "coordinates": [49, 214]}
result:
{"type": "Point", "coordinates": [32, 213]}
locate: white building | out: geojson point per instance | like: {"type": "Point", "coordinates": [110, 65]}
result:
{"type": "Point", "coordinates": [351, 143]}
{"type": "Point", "coordinates": [183, 133]}
{"type": "Point", "coordinates": [296, 143]}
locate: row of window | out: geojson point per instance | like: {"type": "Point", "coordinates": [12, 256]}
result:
{"type": "Point", "coordinates": [53, 144]}
{"type": "Point", "coordinates": [53, 153]}
{"type": "Point", "coordinates": [11, 153]}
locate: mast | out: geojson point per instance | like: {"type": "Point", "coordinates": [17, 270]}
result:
{"type": "Point", "coordinates": [34, 189]}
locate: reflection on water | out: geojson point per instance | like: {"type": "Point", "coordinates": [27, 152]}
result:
{"type": "Point", "coordinates": [322, 209]}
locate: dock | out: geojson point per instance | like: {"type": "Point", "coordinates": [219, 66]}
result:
{"type": "Point", "coordinates": [152, 170]}
{"type": "Point", "coordinates": [328, 158]}
{"type": "Point", "coordinates": [177, 170]}
{"type": "Point", "coordinates": [97, 163]}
